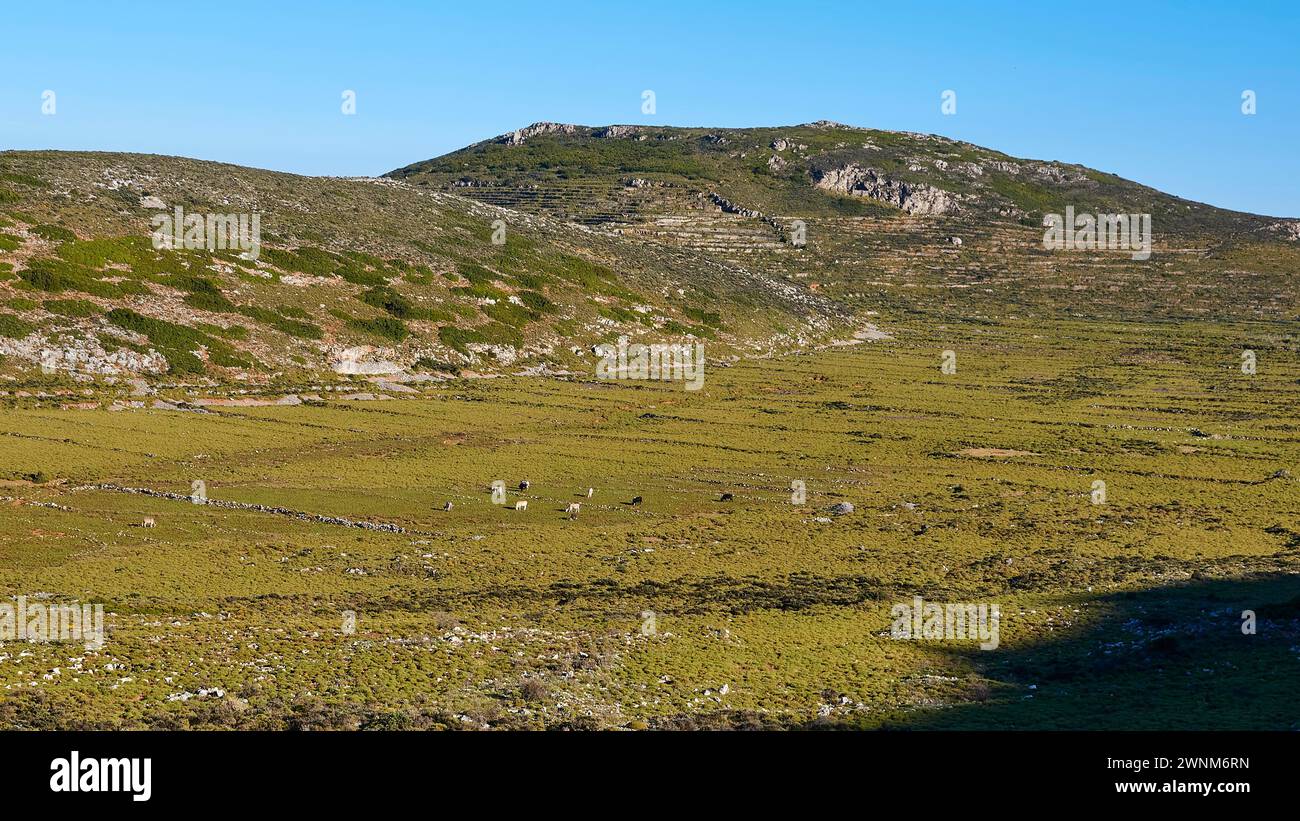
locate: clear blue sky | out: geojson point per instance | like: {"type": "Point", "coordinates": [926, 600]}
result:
{"type": "Point", "coordinates": [1147, 90]}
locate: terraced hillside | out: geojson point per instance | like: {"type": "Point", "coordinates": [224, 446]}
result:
{"type": "Point", "coordinates": [353, 276]}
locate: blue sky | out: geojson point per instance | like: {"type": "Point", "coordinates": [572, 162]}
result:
{"type": "Point", "coordinates": [1151, 92]}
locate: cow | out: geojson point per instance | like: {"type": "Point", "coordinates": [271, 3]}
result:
{"type": "Point", "coordinates": [523, 486]}
{"type": "Point", "coordinates": [636, 500]}
{"type": "Point", "coordinates": [148, 522]}
{"type": "Point", "coordinates": [447, 506]}
{"type": "Point", "coordinates": [727, 497]}
{"type": "Point", "coordinates": [573, 509]}
{"type": "Point", "coordinates": [521, 505]}
{"type": "Point", "coordinates": [590, 491]}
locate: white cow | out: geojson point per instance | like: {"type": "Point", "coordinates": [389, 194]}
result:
{"type": "Point", "coordinates": [573, 509]}
{"type": "Point", "coordinates": [590, 491]}
{"type": "Point", "coordinates": [148, 522]}
{"type": "Point", "coordinates": [521, 505]}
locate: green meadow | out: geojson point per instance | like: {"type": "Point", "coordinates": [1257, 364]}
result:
{"type": "Point", "coordinates": [687, 611]}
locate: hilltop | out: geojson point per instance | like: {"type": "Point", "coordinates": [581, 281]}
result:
{"type": "Point", "coordinates": [823, 167]}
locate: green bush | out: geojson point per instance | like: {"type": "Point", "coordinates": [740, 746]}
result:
{"type": "Point", "coordinates": [76, 308]}
{"type": "Point", "coordinates": [536, 301]}
{"type": "Point", "coordinates": [387, 327]}
{"type": "Point", "coordinates": [13, 327]}
{"type": "Point", "coordinates": [508, 313]}
{"type": "Point", "coordinates": [711, 319]}
{"type": "Point", "coordinates": [54, 233]}
{"type": "Point", "coordinates": [177, 342]}
{"type": "Point", "coordinates": [292, 327]}
{"type": "Point", "coordinates": [426, 363]}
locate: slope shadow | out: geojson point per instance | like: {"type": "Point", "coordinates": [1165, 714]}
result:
{"type": "Point", "coordinates": [1167, 658]}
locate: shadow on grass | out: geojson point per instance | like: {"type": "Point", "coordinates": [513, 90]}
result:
{"type": "Point", "coordinates": [1167, 658]}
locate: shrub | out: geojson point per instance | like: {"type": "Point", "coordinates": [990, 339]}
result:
{"type": "Point", "coordinates": [54, 233]}
{"type": "Point", "coordinates": [203, 294]}
{"type": "Point", "coordinates": [13, 327]}
{"type": "Point", "coordinates": [384, 326]}
{"type": "Point", "coordinates": [508, 313]}
{"type": "Point", "coordinates": [533, 690]}
{"type": "Point", "coordinates": [302, 330]}
{"type": "Point", "coordinates": [426, 363]}
{"type": "Point", "coordinates": [536, 301]}
{"type": "Point", "coordinates": [76, 308]}
{"type": "Point", "coordinates": [709, 318]}
{"type": "Point", "coordinates": [390, 301]}
{"type": "Point", "coordinates": [177, 342]}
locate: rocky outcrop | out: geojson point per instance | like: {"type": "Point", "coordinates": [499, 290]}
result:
{"type": "Point", "coordinates": [731, 208]}
{"type": "Point", "coordinates": [914, 198]}
{"type": "Point", "coordinates": [615, 131]}
{"type": "Point", "coordinates": [522, 135]}
{"type": "Point", "coordinates": [1289, 229]}
{"type": "Point", "coordinates": [362, 361]}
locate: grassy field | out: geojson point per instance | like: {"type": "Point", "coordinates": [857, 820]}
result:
{"type": "Point", "coordinates": [974, 486]}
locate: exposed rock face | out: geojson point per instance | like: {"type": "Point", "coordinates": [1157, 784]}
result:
{"type": "Point", "coordinates": [1059, 174]}
{"type": "Point", "coordinates": [1289, 229]}
{"type": "Point", "coordinates": [357, 361]}
{"type": "Point", "coordinates": [522, 135]}
{"type": "Point", "coordinates": [780, 144]}
{"type": "Point", "coordinates": [81, 355]}
{"type": "Point", "coordinates": [615, 131]}
{"type": "Point", "coordinates": [914, 198]}
{"type": "Point", "coordinates": [775, 163]}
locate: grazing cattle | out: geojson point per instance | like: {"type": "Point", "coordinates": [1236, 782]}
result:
{"type": "Point", "coordinates": [727, 497]}
{"type": "Point", "coordinates": [636, 500]}
{"type": "Point", "coordinates": [573, 509]}
{"type": "Point", "coordinates": [521, 505]}
{"type": "Point", "coordinates": [590, 491]}
{"type": "Point", "coordinates": [148, 522]}
{"type": "Point", "coordinates": [447, 506]}
{"type": "Point", "coordinates": [523, 486]}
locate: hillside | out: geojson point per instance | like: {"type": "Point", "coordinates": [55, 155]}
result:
{"type": "Point", "coordinates": [756, 241]}
{"type": "Point", "coordinates": [600, 174]}
{"type": "Point", "coordinates": [353, 276]}
{"type": "Point", "coordinates": [886, 216]}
